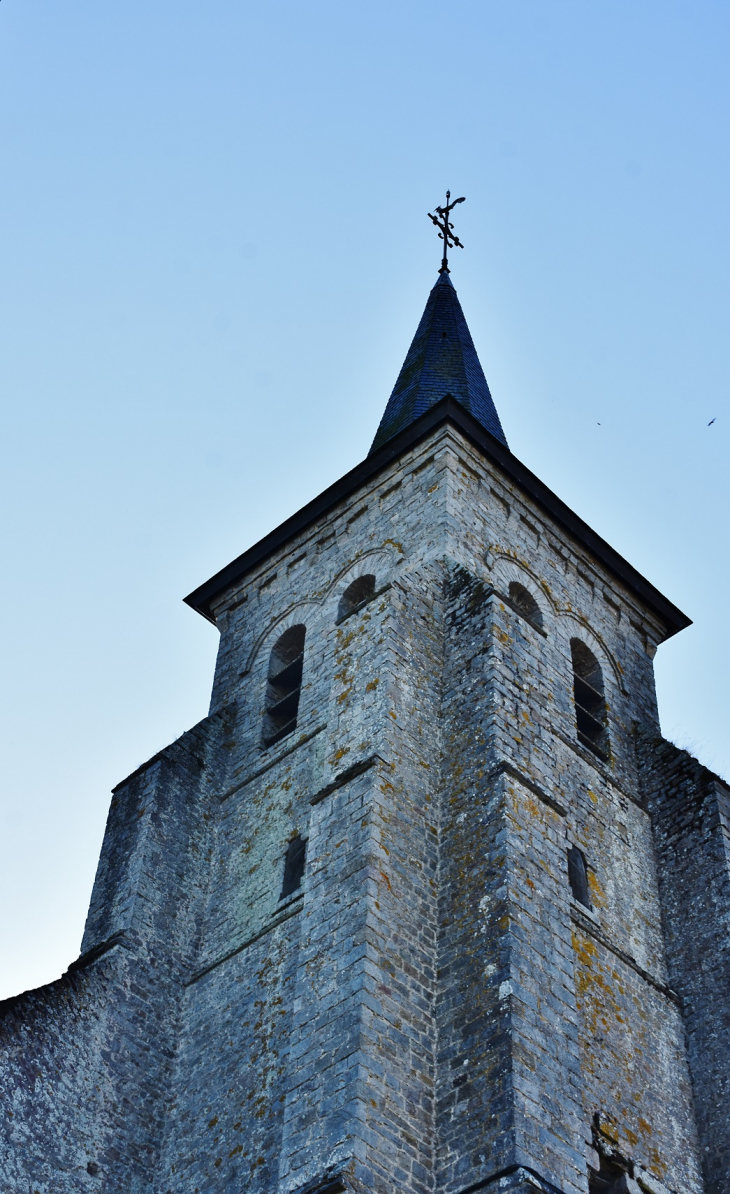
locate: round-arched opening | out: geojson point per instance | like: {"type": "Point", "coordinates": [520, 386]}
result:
{"type": "Point", "coordinates": [286, 664]}
{"type": "Point", "coordinates": [524, 603]}
{"type": "Point", "coordinates": [356, 594]}
{"type": "Point", "coordinates": [590, 702]}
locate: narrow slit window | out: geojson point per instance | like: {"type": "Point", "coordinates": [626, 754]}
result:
{"type": "Point", "coordinates": [294, 860]}
{"type": "Point", "coordinates": [578, 876]}
{"type": "Point", "coordinates": [355, 595]}
{"type": "Point", "coordinates": [524, 603]}
{"type": "Point", "coordinates": [284, 685]}
{"type": "Point", "coordinates": [590, 702]}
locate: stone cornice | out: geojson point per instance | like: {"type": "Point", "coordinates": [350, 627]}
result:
{"type": "Point", "coordinates": [451, 412]}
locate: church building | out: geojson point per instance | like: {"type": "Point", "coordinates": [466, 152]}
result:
{"type": "Point", "coordinates": [426, 904]}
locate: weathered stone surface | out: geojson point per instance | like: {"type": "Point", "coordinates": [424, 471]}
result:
{"type": "Point", "coordinates": [690, 810]}
{"type": "Point", "coordinates": [432, 1011]}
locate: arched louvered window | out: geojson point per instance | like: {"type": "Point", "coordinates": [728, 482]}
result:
{"type": "Point", "coordinates": [294, 860]}
{"type": "Point", "coordinates": [284, 686]}
{"type": "Point", "coordinates": [590, 702]}
{"type": "Point", "coordinates": [522, 600]}
{"type": "Point", "coordinates": [578, 876]}
{"type": "Point", "coordinates": [355, 595]}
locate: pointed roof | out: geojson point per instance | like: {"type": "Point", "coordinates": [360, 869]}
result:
{"type": "Point", "coordinates": [441, 361]}
{"type": "Point", "coordinates": [441, 384]}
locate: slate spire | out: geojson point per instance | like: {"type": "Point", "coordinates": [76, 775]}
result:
{"type": "Point", "coordinates": [441, 361]}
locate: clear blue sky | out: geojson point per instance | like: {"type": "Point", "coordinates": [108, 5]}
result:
{"type": "Point", "coordinates": [214, 254]}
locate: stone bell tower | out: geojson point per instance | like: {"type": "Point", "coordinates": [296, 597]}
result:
{"type": "Point", "coordinates": [425, 905]}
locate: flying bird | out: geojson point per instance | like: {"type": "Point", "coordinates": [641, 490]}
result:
{"type": "Point", "coordinates": [711, 421]}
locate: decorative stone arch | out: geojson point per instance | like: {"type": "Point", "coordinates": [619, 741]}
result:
{"type": "Point", "coordinates": [358, 593]}
{"type": "Point", "coordinates": [377, 562]}
{"type": "Point", "coordinates": [507, 569]}
{"type": "Point", "coordinates": [573, 625]}
{"type": "Point", "coordinates": [299, 613]}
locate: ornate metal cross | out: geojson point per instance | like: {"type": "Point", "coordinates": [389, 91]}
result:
{"type": "Point", "coordinates": [441, 219]}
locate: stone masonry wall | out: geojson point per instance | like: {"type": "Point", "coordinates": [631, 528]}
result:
{"type": "Point", "coordinates": [509, 1067]}
{"type": "Point", "coordinates": [342, 975]}
{"type": "Point", "coordinates": [530, 725]}
{"type": "Point", "coordinates": [690, 810]}
{"type": "Point", "coordinates": [86, 1062]}
{"type": "Point", "coordinates": [431, 1011]}
{"type": "Point", "coordinates": [443, 500]}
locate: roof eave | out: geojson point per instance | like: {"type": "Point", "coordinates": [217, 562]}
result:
{"type": "Point", "coordinates": [447, 410]}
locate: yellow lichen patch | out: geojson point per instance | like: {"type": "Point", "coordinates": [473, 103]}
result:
{"type": "Point", "coordinates": [533, 807]}
{"type": "Point", "coordinates": [614, 1040]}
{"type": "Point", "coordinates": [584, 948]}
{"type": "Point", "coordinates": [609, 1128]}
{"type": "Point", "coordinates": [372, 685]}
{"type": "Point", "coordinates": [597, 892]}
{"type": "Point", "coordinates": [657, 1164]}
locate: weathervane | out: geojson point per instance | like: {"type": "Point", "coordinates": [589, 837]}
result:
{"type": "Point", "coordinates": [441, 220]}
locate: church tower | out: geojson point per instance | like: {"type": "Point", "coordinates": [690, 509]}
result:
{"type": "Point", "coordinates": [425, 905]}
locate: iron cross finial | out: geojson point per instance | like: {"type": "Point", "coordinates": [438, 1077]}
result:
{"type": "Point", "coordinates": [446, 234]}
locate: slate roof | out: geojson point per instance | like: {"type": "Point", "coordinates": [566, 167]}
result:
{"type": "Point", "coordinates": [442, 361]}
